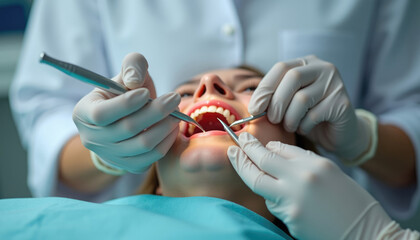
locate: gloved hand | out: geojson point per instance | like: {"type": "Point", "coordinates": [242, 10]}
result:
{"type": "Point", "coordinates": [126, 131]}
{"type": "Point", "coordinates": [309, 96]}
{"type": "Point", "coordinates": [309, 193]}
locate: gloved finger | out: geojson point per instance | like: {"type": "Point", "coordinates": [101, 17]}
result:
{"type": "Point", "coordinates": [95, 146]}
{"type": "Point", "coordinates": [287, 151]}
{"type": "Point", "coordinates": [324, 111]}
{"type": "Point", "coordinates": [262, 96]}
{"type": "Point", "coordinates": [89, 132]}
{"type": "Point", "coordinates": [145, 117]}
{"type": "Point", "coordinates": [140, 163]}
{"type": "Point", "coordinates": [133, 71]}
{"type": "Point", "coordinates": [293, 80]}
{"type": "Point", "coordinates": [147, 140]}
{"type": "Point", "coordinates": [267, 161]}
{"type": "Point", "coordinates": [257, 180]}
{"type": "Point", "coordinates": [303, 100]}
{"type": "Point", "coordinates": [132, 124]}
{"type": "Point", "coordinates": [96, 110]}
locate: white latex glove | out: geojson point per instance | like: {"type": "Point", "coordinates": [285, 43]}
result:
{"type": "Point", "coordinates": [126, 131]}
{"type": "Point", "coordinates": [309, 193]}
{"type": "Point", "coordinates": [309, 96]}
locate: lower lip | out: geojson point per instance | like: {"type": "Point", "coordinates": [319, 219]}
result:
{"type": "Point", "coordinates": [209, 133]}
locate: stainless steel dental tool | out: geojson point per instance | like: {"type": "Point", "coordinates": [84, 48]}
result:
{"type": "Point", "coordinates": [244, 120]}
{"type": "Point", "coordinates": [230, 132]}
{"type": "Point", "coordinates": [102, 82]}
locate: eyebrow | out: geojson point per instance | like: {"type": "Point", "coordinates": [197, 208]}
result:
{"type": "Point", "coordinates": [237, 77]}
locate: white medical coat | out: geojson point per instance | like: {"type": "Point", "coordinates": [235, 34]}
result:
{"type": "Point", "coordinates": [374, 44]}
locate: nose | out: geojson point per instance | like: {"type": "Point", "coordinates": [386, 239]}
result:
{"type": "Point", "coordinates": [211, 84]}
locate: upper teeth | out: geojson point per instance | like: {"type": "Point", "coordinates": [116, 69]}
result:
{"type": "Point", "coordinates": [225, 112]}
{"type": "Point", "coordinates": [198, 115]}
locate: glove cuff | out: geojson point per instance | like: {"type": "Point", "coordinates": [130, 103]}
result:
{"type": "Point", "coordinates": [104, 167]}
{"type": "Point", "coordinates": [370, 224]}
{"type": "Point", "coordinates": [373, 128]}
{"type": "Point", "coordinates": [394, 231]}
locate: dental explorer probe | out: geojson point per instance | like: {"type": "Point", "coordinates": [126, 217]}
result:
{"type": "Point", "coordinates": [244, 120]}
{"type": "Point", "coordinates": [102, 82]}
{"type": "Point", "coordinates": [231, 133]}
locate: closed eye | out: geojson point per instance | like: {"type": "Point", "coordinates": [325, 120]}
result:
{"type": "Point", "coordinates": [185, 95]}
{"type": "Point", "coordinates": [186, 90]}
{"type": "Point", "coordinates": [248, 86]}
{"type": "Point", "coordinates": [249, 89]}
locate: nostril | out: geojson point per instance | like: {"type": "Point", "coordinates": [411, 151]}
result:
{"type": "Point", "coordinates": [202, 91]}
{"type": "Point", "coordinates": [219, 89]}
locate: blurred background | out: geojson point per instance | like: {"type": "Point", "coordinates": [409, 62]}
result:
{"type": "Point", "coordinates": [13, 167]}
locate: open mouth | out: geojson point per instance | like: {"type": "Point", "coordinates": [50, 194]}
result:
{"type": "Point", "coordinates": [206, 115]}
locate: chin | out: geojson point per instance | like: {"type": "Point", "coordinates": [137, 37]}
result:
{"type": "Point", "coordinates": [222, 182]}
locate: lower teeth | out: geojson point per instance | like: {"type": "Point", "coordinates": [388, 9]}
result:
{"type": "Point", "coordinates": [191, 128]}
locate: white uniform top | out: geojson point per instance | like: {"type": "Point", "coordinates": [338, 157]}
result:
{"type": "Point", "coordinates": [374, 44]}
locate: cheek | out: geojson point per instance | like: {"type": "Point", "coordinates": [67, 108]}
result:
{"type": "Point", "coordinates": [185, 102]}
{"type": "Point", "coordinates": [244, 98]}
{"type": "Point", "coordinates": [266, 132]}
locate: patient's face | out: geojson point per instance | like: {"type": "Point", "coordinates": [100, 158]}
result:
{"type": "Point", "coordinates": [197, 164]}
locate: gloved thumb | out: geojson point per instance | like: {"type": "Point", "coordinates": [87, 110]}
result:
{"type": "Point", "coordinates": [134, 73]}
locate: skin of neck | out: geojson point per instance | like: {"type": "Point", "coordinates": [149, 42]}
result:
{"type": "Point", "coordinates": [224, 184]}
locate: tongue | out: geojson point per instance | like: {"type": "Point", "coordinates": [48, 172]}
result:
{"type": "Point", "coordinates": [209, 122]}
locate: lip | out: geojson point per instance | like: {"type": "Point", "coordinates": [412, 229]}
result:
{"type": "Point", "coordinates": [212, 102]}
{"type": "Point", "coordinates": [215, 133]}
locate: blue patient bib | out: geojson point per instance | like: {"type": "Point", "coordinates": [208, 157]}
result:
{"type": "Point", "coordinates": [134, 217]}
